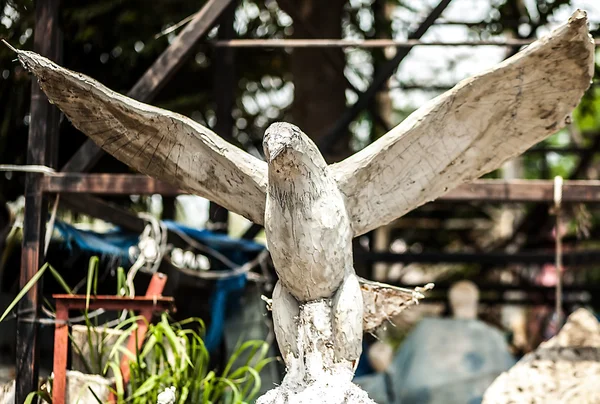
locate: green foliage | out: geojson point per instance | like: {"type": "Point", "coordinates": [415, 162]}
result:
{"type": "Point", "coordinates": [32, 282]}
{"type": "Point", "coordinates": [176, 356]}
{"type": "Point", "coordinates": [173, 354]}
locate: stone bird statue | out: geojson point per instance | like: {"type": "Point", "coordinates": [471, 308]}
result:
{"type": "Point", "coordinates": [311, 210]}
{"type": "Point", "coordinates": [309, 236]}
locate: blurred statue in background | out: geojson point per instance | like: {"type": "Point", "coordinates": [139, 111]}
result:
{"type": "Point", "coordinates": [450, 360]}
{"type": "Point", "coordinates": [463, 297]}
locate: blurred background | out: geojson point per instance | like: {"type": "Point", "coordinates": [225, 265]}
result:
{"type": "Point", "coordinates": [507, 251]}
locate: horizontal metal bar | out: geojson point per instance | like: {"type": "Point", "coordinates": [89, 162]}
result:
{"type": "Point", "coordinates": [489, 258]}
{"type": "Point", "coordinates": [75, 302]}
{"type": "Point", "coordinates": [108, 184]}
{"type": "Point", "coordinates": [559, 150]}
{"type": "Point", "coordinates": [530, 296]}
{"type": "Point", "coordinates": [362, 43]}
{"type": "Point", "coordinates": [525, 302]}
{"type": "Point", "coordinates": [435, 87]}
{"type": "Point", "coordinates": [517, 294]}
{"type": "Point", "coordinates": [486, 288]}
{"type": "Point", "coordinates": [575, 191]}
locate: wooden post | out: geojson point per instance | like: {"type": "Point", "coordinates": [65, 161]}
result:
{"type": "Point", "coordinates": [43, 132]}
{"type": "Point", "coordinates": [224, 91]}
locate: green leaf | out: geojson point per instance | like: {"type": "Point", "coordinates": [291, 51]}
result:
{"type": "Point", "coordinates": [208, 386]}
{"type": "Point", "coordinates": [60, 280]}
{"type": "Point", "coordinates": [152, 383]}
{"type": "Point", "coordinates": [256, 385]}
{"type": "Point", "coordinates": [172, 338]}
{"type": "Point", "coordinates": [252, 345]}
{"type": "Point", "coordinates": [118, 380]}
{"type": "Point", "coordinates": [91, 275]}
{"type": "Point", "coordinates": [30, 397]}
{"type": "Point", "coordinates": [24, 291]}
{"type": "Point", "coordinates": [183, 394]}
{"type": "Point", "coordinates": [118, 344]}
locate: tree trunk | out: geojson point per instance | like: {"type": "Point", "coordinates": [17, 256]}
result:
{"type": "Point", "coordinates": [319, 85]}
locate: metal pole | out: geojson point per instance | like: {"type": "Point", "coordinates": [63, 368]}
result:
{"type": "Point", "coordinates": [558, 184]}
{"type": "Point", "coordinates": [43, 133]}
{"type": "Point", "coordinates": [364, 43]}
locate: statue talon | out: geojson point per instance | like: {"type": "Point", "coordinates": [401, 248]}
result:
{"type": "Point", "coordinates": [285, 311]}
{"type": "Point", "coordinates": [347, 321]}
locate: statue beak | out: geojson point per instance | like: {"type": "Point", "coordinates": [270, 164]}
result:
{"type": "Point", "coordinates": [277, 151]}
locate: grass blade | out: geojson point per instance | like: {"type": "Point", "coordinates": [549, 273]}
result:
{"type": "Point", "coordinates": [60, 280]}
{"type": "Point", "coordinates": [92, 269]}
{"type": "Point", "coordinates": [34, 279]}
{"type": "Point", "coordinates": [118, 381]}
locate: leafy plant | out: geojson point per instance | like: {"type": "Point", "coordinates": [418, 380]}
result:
{"type": "Point", "coordinates": [173, 354]}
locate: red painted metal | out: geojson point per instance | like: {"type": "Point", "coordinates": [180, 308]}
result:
{"type": "Point", "coordinates": [155, 288]}
{"type": "Point", "coordinates": [146, 305]}
{"type": "Point", "coordinates": [61, 349]}
{"type": "Point", "coordinates": [77, 302]}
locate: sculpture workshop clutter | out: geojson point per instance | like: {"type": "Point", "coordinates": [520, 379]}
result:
{"type": "Point", "coordinates": [207, 286]}
{"type": "Point", "coordinates": [445, 360]}
{"type": "Point", "coordinates": [564, 369]}
{"type": "Point", "coordinates": [187, 259]}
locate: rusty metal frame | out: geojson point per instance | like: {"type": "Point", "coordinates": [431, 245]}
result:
{"type": "Point", "coordinates": [147, 305]}
{"type": "Point", "coordinates": [484, 190]}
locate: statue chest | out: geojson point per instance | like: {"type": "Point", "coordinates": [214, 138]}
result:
{"type": "Point", "coordinates": [311, 245]}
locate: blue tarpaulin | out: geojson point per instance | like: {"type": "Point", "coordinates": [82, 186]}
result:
{"type": "Point", "coordinates": [113, 242]}
{"type": "Point", "coordinates": [117, 243]}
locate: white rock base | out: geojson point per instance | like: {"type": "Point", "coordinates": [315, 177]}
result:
{"type": "Point", "coordinates": [332, 391]}
{"type": "Point", "coordinates": [78, 389]}
{"type": "Point", "coordinates": [314, 375]}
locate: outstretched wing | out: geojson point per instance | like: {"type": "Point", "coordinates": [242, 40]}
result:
{"type": "Point", "coordinates": [156, 142]}
{"type": "Point", "coordinates": [470, 130]}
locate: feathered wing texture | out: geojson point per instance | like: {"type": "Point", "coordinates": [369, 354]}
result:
{"type": "Point", "coordinates": [469, 130]}
{"type": "Point", "coordinates": [156, 142]}
{"type": "Point", "coordinates": [382, 302]}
